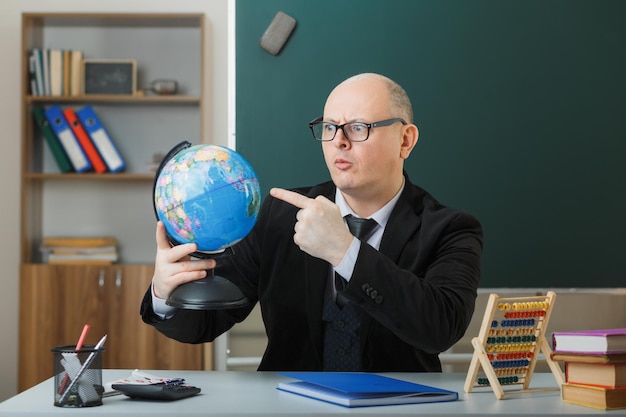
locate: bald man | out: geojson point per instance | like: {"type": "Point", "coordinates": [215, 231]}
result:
{"type": "Point", "coordinates": [389, 300]}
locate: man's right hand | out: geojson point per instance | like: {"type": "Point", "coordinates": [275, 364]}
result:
{"type": "Point", "coordinates": [173, 265]}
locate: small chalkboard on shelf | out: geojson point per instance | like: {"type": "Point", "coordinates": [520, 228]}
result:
{"type": "Point", "coordinates": [109, 76]}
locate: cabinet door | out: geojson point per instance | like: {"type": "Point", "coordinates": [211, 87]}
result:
{"type": "Point", "coordinates": [55, 303]}
{"type": "Point", "coordinates": [133, 344]}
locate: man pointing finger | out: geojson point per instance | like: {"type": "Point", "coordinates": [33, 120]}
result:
{"type": "Point", "coordinates": [366, 272]}
{"type": "Point", "coordinates": [320, 230]}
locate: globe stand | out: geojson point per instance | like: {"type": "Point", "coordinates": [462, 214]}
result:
{"type": "Point", "coordinates": [210, 293]}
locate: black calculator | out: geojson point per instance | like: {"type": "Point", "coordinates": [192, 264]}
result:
{"type": "Point", "coordinates": [161, 392]}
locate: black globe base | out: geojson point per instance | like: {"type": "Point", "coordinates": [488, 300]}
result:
{"type": "Point", "coordinates": [210, 293]}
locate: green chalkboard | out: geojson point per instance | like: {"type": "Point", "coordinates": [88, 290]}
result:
{"type": "Point", "coordinates": [521, 107]}
{"type": "Point", "coordinates": [109, 76]}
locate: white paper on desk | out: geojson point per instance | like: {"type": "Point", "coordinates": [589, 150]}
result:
{"type": "Point", "coordinates": [138, 377]}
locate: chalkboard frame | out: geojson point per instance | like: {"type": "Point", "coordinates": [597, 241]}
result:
{"type": "Point", "coordinates": [96, 72]}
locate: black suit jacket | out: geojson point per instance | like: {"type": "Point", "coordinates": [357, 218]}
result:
{"type": "Point", "coordinates": [416, 293]}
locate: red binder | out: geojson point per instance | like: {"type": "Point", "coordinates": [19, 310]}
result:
{"type": "Point", "coordinates": [85, 141]}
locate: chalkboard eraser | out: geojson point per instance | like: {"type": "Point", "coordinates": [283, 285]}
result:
{"type": "Point", "coordinates": [277, 33]}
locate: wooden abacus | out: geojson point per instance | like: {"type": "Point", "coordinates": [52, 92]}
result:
{"type": "Point", "coordinates": [512, 335]}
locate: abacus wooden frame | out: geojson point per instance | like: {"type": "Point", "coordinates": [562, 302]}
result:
{"type": "Point", "coordinates": [480, 357]}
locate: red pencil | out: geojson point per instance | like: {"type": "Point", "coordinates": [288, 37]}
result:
{"type": "Point", "coordinates": [81, 339]}
{"type": "Point", "coordinates": [79, 345]}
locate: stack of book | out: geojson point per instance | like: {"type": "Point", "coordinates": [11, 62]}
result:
{"type": "Point", "coordinates": [79, 250]}
{"type": "Point", "coordinates": [55, 72]}
{"type": "Point", "coordinates": [595, 367]}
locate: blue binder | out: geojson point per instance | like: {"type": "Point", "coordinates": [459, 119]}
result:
{"type": "Point", "coordinates": [101, 139]}
{"type": "Point", "coordinates": [69, 142]}
{"type": "Point", "coordinates": [359, 389]}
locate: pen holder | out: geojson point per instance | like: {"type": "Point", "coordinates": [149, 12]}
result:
{"type": "Point", "coordinates": [77, 376]}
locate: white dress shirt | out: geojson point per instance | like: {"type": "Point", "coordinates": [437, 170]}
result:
{"type": "Point", "coordinates": [346, 266]}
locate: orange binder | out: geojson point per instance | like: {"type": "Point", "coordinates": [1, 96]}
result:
{"type": "Point", "coordinates": [85, 141]}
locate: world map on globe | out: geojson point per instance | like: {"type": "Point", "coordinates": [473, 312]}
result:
{"type": "Point", "coordinates": [208, 195]}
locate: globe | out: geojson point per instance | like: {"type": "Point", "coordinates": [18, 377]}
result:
{"type": "Point", "coordinates": [208, 195]}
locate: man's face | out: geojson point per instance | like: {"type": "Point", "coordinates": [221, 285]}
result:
{"type": "Point", "coordinates": [374, 167]}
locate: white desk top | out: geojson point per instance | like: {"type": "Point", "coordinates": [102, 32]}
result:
{"type": "Point", "coordinates": [255, 394]}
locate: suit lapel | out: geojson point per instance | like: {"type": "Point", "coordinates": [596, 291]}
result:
{"type": "Point", "coordinates": [402, 223]}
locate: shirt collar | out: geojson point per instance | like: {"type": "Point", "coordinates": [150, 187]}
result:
{"type": "Point", "coordinates": [381, 215]}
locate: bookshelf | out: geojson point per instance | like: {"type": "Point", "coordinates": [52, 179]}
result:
{"type": "Point", "coordinates": [142, 125]}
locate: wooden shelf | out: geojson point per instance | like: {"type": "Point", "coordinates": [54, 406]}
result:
{"type": "Point", "coordinates": [143, 127]}
{"type": "Point", "coordinates": [90, 177]}
{"type": "Point", "coordinates": [134, 20]}
{"type": "Point", "coordinates": [115, 99]}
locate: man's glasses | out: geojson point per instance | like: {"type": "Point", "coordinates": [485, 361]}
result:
{"type": "Point", "coordinates": [354, 131]}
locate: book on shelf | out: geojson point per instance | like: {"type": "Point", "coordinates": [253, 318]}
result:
{"type": "Point", "coordinates": [606, 375]}
{"type": "Point", "coordinates": [92, 250]}
{"type": "Point", "coordinates": [78, 242]}
{"type": "Point", "coordinates": [55, 146]}
{"type": "Point", "coordinates": [45, 64]}
{"type": "Point", "coordinates": [361, 389]}
{"type": "Point", "coordinates": [68, 250]}
{"type": "Point", "coordinates": [592, 396]}
{"type": "Point", "coordinates": [102, 262]}
{"type": "Point", "coordinates": [76, 71]}
{"type": "Point", "coordinates": [56, 72]}
{"type": "Point", "coordinates": [78, 250]}
{"type": "Point", "coordinates": [32, 73]}
{"type": "Point", "coordinates": [63, 131]}
{"type": "Point", "coordinates": [85, 141]}
{"type": "Point", "coordinates": [101, 139]}
{"type": "Point", "coordinates": [590, 341]}
{"type": "Point", "coordinates": [100, 258]}
{"type": "Point", "coordinates": [38, 67]}
{"type": "Point", "coordinates": [66, 72]}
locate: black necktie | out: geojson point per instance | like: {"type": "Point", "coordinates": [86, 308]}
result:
{"type": "Point", "coordinates": [360, 228]}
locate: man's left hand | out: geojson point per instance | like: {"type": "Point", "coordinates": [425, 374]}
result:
{"type": "Point", "coordinates": [320, 230]}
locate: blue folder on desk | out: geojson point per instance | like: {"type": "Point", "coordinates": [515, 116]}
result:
{"type": "Point", "coordinates": [362, 389]}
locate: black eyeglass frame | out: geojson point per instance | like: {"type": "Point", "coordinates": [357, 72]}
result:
{"type": "Point", "coordinates": [381, 123]}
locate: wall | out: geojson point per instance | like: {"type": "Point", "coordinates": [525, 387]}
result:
{"type": "Point", "coordinates": [216, 119]}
